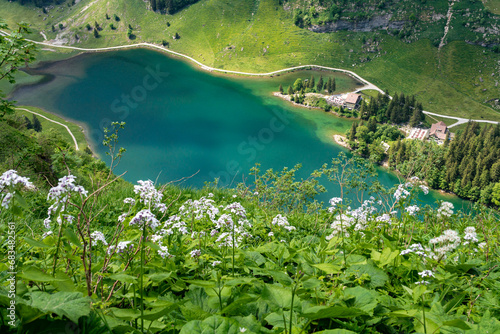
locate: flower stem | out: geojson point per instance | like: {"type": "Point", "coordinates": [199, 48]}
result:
{"type": "Point", "coordinates": [142, 274]}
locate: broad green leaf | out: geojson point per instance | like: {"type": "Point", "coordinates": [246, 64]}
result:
{"type": "Point", "coordinates": [21, 201]}
{"type": "Point", "coordinates": [35, 243]}
{"type": "Point", "coordinates": [124, 278]}
{"type": "Point", "coordinates": [378, 277]}
{"type": "Point", "coordinates": [277, 297]}
{"type": "Point", "coordinates": [336, 331]}
{"type": "Point", "coordinates": [328, 268]}
{"type": "Point", "coordinates": [458, 323]}
{"type": "Point", "coordinates": [326, 312]}
{"type": "Point", "coordinates": [64, 282]}
{"type": "Point", "coordinates": [386, 257]}
{"type": "Point", "coordinates": [70, 234]}
{"type": "Point", "coordinates": [212, 325]}
{"type": "Point", "coordinates": [69, 304]}
{"type": "Point", "coordinates": [365, 300]}
{"type": "Point", "coordinates": [277, 320]}
{"type": "Point", "coordinates": [35, 274]}
{"type": "Point", "coordinates": [159, 277]}
{"type": "Point", "coordinates": [456, 301]}
{"type": "Point", "coordinates": [240, 281]}
{"type": "Point", "coordinates": [205, 284]}
{"type": "Point", "coordinates": [311, 283]}
{"type": "Point", "coordinates": [192, 327]}
{"type": "Point", "coordinates": [256, 258]}
{"type": "Point", "coordinates": [277, 276]}
{"type": "Point", "coordinates": [126, 314]}
{"type": "Point", "coordinates": [404, 313]}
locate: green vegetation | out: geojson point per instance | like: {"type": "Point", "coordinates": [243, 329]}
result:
{"type": "Point", "coordinates": [92, 252]}
{"type": "Point", "coordinates": [399, 109]}
{"type": "Point", "coordinates": [48, 126]}
{"type": "Point", "coordinates": [454, 80]}
{"type": "Point", "coordinates": [262, 258]}
{"type": "Point", "coordinates": [407, 20]}
{"type": "Point", "coordinates": [492, 5]}
{"type": "Point", "coordinates": [371, 140]}
{"type": "Point", "coordinates": [468, 166]}
{"type": "Point", "coordinates": [170, 6]}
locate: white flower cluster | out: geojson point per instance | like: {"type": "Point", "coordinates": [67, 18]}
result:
{"type": "Point", "coordinates": [143, 218]}
{"type": "Point", "coordinates": [412, 210]}
{"type": "Point", "coordinates": [355, 219]}
{"type": "Point", "coordinates": [424, 274]}
{"type": "Point", "coordinates": [445, 210]}
{"type": "Point", "coordinates": [416, 249]}
{"type": "Point", "coordinates": [333, 203]}
{"type": "Point", "coordinates": [98, 236]}
{"type": "Point", "coordinates": [199, 209]}
{"type": "Point", "coordinates": [64, 188]}
{"type": "Point", "coordinates": [9, 179]}
{"type": "Point", "coordinates": [283, 222]}
{"type": "Point", "coordinates": [401, 192]}
{"type": "Point", "coordinates": [447, 242]}
{"type": "Point", "coordinates": [444, 244]}
{"type": "Point", "coordinates": [425, 189]}
{"type": "Point", "coordinates": [129, 200]}
{"type": "Point", "coordinates": [195, 253]}
{"type": "Point", "coordinates": [470, 235]}
{"type": "Point", "coordinates": [163, 251]}
{"type": "Point", "coordinates": [60, 194]}
{"type": "Point", "coordinates": [149, 196]}
{"type": "Point", "coordinates": [121, 247]}
{"type": "Point", "coordinates": [340, 225]}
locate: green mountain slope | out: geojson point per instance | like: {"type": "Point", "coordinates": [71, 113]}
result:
{"type": "Point", "coordinates": [260, 36]}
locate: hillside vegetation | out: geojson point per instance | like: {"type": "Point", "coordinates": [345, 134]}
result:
{"type": "Point", "coordinates": [99, 254]}
{"type": "Point", "coordinates": [259, 36]}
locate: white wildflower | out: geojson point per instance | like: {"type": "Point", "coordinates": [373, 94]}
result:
{"type": "Point", "coordinates": [425, 189]}
{"type": "Point", "coordinates": [163, 252]}
{"type": "Point", "coordinates": [445, 210]}
{"type": "Point", "coordinates": [195, 253]}
{"type": "Point", "coordinates": [216, 263]}
{"type": "Point", "coordinates": [98, 236]}
{"type": "Point", "coordinates": [426, 273]}
{"type": "Point", "coordinates": [412, 210]}
{"type": "Point", "coordinates": [145, 217]}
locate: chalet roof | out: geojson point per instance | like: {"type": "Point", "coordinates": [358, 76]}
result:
{"type": "Point", "coordinates": [352, 98]}
{"type": "Point", "coordinates": [439, 130]}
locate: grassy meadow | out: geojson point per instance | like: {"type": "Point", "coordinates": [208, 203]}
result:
{"type": "Point", "coordinates": [259, 36]}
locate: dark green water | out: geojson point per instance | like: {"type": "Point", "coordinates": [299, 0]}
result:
{"type": "Point", "coordinates": [182, 121]}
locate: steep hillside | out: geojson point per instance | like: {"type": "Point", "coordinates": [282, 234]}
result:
{"type": "Point", "coordinates": [260, 36]}
{"type": "Point", "coordinates": [466, 20]}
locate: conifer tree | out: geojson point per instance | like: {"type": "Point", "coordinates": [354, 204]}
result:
{"type": "Point", "coordinates": [319, 86]}
{"type": "Point", "coordinates": [312, 83]}
{"type": "Point", "coordinates": [290, 90]}
{"type": "Point", "coordinates": [96, 33]}
{"type": "Point", "coordinates": [37, 126]}
{"type": "Point", "coordinates": [28, 123]}
{"type": "Point", "coordinates": [333, 85]}
{"type": "Point", "coordinates": [281, 89]}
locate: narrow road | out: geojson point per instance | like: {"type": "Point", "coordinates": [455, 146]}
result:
{"type": "Point", "coordinates": [459, 120]}
{"type": "Point", "coordinates": [50, 120]}
{"type": "Point", "coordinates": [368, 85]}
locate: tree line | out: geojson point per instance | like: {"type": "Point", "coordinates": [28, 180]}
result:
{"type": "Point", "coordinates": [468, 166]}
{"type": "Point", "coordinates": [310, 86]}
{"type": "Point", "coordinates": [399, 109]}
{"type": "Point", "coordinates": [170, 6]}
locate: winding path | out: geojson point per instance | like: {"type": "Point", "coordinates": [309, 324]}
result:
{"type": "Point", "coordinates": [367, 84]}
{"type": "Point", "coordinates": [56, 122]}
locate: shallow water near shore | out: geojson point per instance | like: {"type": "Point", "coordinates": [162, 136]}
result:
{"type": "Point", "coordinates": [184, 122]}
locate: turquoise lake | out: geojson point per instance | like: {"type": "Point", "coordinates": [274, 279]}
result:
{"type": "Point", "coordinates": [183, 121]}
